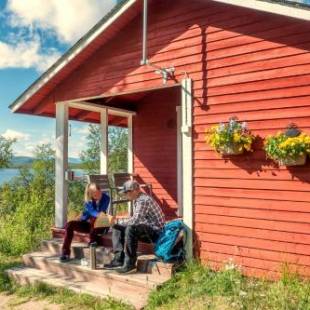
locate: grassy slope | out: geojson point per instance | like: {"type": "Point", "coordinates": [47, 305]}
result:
{"type": "Point", "coordinates": [195, 287]}
{"type": "Point", "coordinates": [198, 287]}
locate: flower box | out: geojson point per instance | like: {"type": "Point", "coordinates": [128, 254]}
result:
{"type": "Point", "coordinates": [289, 161]}
{"type": "Point", "coordinates": [230, 150]}
{"type": "Point", "coordinates": [232, 138]}
{"type": "Point", "coordinates": [288, 148]}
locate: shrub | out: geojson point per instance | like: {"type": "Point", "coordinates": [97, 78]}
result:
{"type": "Point", "coordinates": [27, 204]}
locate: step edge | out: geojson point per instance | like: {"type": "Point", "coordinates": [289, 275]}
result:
{"type": "Point", "coordinates": [66, 284]}
{"type": "Point", "coordinates": [150, 284]}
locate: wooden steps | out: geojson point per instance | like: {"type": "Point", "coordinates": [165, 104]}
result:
{"type": "Point", "coordinates": [104, 240]}
{"type": "Point", "coordinates": [27, 275]}
{"type": "Point", "coordinates": [44, 266]}
{"type": "Point", "coordinates": [79, 250]}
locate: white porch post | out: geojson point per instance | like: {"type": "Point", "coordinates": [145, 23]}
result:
{"type": "Point", "coordinates": [130, 157]}
{"type": "Point", "coordinates": [61, 185]}
{"type": "Point", "coordinates": [130, 145]}
{"type": "Point", "coordinates": [104, 141]}
{"type": "Point", "coordinates": [187, 163]}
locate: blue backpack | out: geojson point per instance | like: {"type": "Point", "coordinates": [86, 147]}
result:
{"type": "Point", "coordinates": [170, 244]}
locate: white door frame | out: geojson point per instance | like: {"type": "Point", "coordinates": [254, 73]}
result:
{"type": "Point", "coordinates": [179, 162]}
{"type": "Point", "coordinates": [187, 162]}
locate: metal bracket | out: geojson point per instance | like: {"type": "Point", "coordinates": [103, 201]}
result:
{"type": "Point", "coordinates": [166, 73]}
{"type": "Point", "coordinates": [186, 129]}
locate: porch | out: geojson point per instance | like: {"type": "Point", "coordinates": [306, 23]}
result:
{"type": "Point", "coordinates": [159, 145]}
{"type": "Point", "coordinates": [159, 152]}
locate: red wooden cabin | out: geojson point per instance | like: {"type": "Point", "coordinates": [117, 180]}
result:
{"type": "Point", "coordinates": [248, 59]}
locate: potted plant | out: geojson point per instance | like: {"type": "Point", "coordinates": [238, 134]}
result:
{"type": "Point", "coordinates": [288, 148]}
{"type": "Point", "coordinates": [232, 138]}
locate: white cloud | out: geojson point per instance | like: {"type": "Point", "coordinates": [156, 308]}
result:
{"type": "Point", "coordinates": [68, 19]}
{"type": "Point", "coordinates": [12, 134]}
{"type": "Point", "coordinates": [24, 54]}
{"type": "Point", "coordinates": [77, 140]}
{"type": "Point", "coordinates": [84, 131]}
{"type": "Point", "coordinates": [26, 143]}
{"type": "Point", "coordinates": [34, 22]}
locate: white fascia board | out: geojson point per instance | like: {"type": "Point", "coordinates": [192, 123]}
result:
{"type": "Point", "coordinates": [269, 7]}
{"type": "Point", "coordinates": [75, 51]}
{"type": "Point", "coordinates": [88, 106]}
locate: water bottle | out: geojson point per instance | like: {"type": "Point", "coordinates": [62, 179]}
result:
{"type": "Point", "coordinates": [84, 262]}
{"type": "Point", "coordinates": [92, 255]}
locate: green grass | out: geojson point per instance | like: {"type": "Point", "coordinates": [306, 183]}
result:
{"type": "Point", "coordinates": [198, 287]}
{"type": "Point", "coordinates": [194, 287]}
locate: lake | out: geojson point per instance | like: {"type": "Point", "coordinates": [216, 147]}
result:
{"type": "Point", "coordinates": [7, 174]}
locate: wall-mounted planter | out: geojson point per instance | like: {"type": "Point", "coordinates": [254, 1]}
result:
{"type": "Point", "coordinates": [289, 161]}
{"type": "Point", "coordinates": [232, 138]}
{"type": "Point", "coordinates": [230, 150]}
{"type": "Point", "coordinates": [288, 148]}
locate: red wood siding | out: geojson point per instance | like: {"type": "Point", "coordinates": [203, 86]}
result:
{"type": "Point", "coordinates": [243, 63]}
{"type": "Point", "coordinates": [246, 208]}
{"type": "Point", "coordinates": [155, 146]}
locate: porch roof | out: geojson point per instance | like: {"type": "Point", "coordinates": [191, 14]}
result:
{"type": "Point", "coordinates": [119, 106]}
{"type": "Point", "coordinates": [39, 93]}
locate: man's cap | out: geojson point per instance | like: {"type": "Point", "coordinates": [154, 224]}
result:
{"type": "Point", "coordinates": [128, 186]}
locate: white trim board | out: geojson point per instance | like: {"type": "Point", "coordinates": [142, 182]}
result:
{"type": "Point", "coordinates": [187, 163]}
{"type": "Point", "coordinates": [88, 106]}
{"type": "Point", "coordinates": [269, 7]}
{"type": "Point", "coordinates": [179, 161]}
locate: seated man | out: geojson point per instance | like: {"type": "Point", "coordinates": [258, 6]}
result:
{"type": "Point", "coordinates": [145, 225]}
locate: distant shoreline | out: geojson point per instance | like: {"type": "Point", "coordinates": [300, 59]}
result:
{"type": "Point", "coordinates": [7, 174]}
{"type": "Point", "coordinates": [29, 165]}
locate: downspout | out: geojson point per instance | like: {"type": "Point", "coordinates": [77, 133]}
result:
{"type": "Point", "coordinates": [144, 60]}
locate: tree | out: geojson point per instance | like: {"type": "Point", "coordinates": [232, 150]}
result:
{"type": "Point", "coordinates": [91, 156]}
{"type": "Point", "coordinates": [118, 142]}
{"type": "Point", "coordinates": [6, 152]}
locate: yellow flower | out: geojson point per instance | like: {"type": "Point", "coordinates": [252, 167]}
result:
{"type": "Point", "coordinates": [236, 137]}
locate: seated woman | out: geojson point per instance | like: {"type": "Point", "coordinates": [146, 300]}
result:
{"type": "Point", "coordinates": [95, 203]}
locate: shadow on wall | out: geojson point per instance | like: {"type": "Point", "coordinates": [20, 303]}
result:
{"type": "Point", "coordinates": [155, 146]}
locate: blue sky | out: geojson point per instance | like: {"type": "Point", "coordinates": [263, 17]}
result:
{"type": "Point", "coordinates": [33, 34]}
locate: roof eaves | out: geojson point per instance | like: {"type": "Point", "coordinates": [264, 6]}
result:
{"type": "Point", "coordinates": [66, 57]}
{"type": "Point", "coordinates": [290, 3]}
{"type": "Point", "coordinates": [272, 6]}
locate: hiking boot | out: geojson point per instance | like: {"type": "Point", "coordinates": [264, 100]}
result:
{"type": "Point", "coordinates": [64, 258]}
{"type": "Point", "coordinates": [126, 269]}
{"type": "Point", "coordinates": [117, 261]}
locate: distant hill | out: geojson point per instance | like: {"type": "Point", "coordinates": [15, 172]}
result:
{"type": "Point", "coordinates": [21, 160]}
{"type": "Point", "coordinates": [73, 160]}
{"type": "Point", "coordinates": [26, 160]}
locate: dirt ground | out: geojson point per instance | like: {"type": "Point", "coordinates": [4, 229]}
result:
{"type": "Point", "coordinates": [11, 302]}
